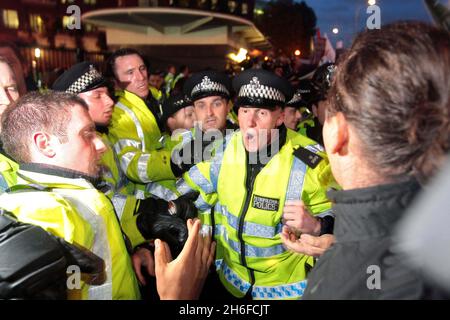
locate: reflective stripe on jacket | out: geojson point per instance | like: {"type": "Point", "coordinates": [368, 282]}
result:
{"type": "Point", "coordinates": [8, 169]}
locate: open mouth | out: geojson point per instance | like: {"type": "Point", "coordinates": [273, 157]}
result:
{"type": "Point", "coordinates": [250, 136]}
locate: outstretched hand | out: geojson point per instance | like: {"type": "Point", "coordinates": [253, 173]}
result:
{"type": "Point", "coordinates": [183, 278]}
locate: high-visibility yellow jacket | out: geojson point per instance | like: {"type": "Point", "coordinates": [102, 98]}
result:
{"type": "Point", "coordinates": [8, 169]}
{"type": "Point", "coordinates": [73, 209]}
{"type": "Point", "coordinates": [121, 191]}
{"type": "Point", "coordinates": [157, 94]}
{"type": "Point", "coordinates": [136, 138]}
{"type": "Point", "coordinates": [250, 257]}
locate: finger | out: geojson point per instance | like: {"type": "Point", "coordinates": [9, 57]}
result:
{"type": "Point", "coordinates": [161, 258]}
{"type": "Point", "coordinates": [297, 247]}
{"type": "Point", "coordinates": [200, 245]}
{"type": "Point", "coordinates": [309, 249]}
{"type": "Point", "coordinates": [190, 246]}
{"type": "Point", "coordinates": [291, 209]}
{"type": "Point", "coordinates": [293, 224]}
{"type": "Point", "coordinates": [291, 215]}
{"type": "Point", "coordinates": [310, 240]}
{"type": "Point", "coordinates": [324, 241]}
{"type": "Point", "coordinates": [212, 252]}
{"type": "Point", "coordinates": [293, 203]}
{"type": "Point", "coordinates": [289, 244]}
{"type": "Point", "coordinates": [136, 260]}
{"type": "Point", "coordinates": [207, 247]}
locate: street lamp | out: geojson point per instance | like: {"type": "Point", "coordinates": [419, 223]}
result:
{"type": "Point", "coordinates": [240, 56]}
{"type": "Point", "coordinates": [297, 52]}
{"type": "Point", "coordinates": [335, 30]}
{"type": "Point", "coordinates": [37, 53]}
{"type": "Point", "coordinates": [372, 2]}
{"type": "Point", "coordinates": [35, 64]}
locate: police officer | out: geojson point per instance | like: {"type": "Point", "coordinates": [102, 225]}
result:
{"type": "Point", "coordinates": [135, 128]}
{"type": "Point", "coordinates": [292, 111]}
{"type": "Point", "coordinates": [85, 81]}
{"type": "Point", "coordinates": [255, 181]}
{"type": "Point", "coordinates": [178, 113]}
{"type": "Point", "coordinates": [210, 92]}
{"type": "Point", "coordinates": [320, 85]}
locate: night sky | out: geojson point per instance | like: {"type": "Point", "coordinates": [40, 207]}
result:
{"type": "Point", "coordinates": [350, 15]}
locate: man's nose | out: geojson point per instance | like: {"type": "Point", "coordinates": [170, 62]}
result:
{"type": "Point", "coordinates": [209, 110]}
{"type": "Point", "coordinates": [108, 101]}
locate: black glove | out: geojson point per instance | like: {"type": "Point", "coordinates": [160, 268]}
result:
{"type": "Point", "coordinates": [33, 262]}
{"type": "Point", "coordinates": [184, 206]}
{"type": "Point", "coordinates": [183, 159]}
{"type": "Point", "coordinates": [155, 222]}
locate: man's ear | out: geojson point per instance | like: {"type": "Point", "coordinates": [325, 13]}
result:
{"type": "Point", "coordinates": [170, 122]}
{"type": "Point", "coordinates": [337, 134]}
{"type": "Point", "coordinates": [42, 143]}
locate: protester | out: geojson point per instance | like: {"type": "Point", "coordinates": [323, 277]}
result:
{"type": "Point", "coordinates": [386, 132]}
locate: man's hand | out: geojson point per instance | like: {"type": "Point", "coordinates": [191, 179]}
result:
{"type": "Point", "coordinates": [306, 244]}
{"type": "Point", "coordinates": [183, 278]}
{"type": "Point", "coordinates": [298, 218]}
{"type": "Point", "coordinates": [143, 257]}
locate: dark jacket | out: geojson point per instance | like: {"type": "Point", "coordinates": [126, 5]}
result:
{"type": "Point", "coordinates": [365, 248]}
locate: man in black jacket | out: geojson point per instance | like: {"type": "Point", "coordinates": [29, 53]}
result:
{"type": "Point", "coordinates": [382, 105]}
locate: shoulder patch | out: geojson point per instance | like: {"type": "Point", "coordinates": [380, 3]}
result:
{"type": "Point", "coordinates": [310, 158]}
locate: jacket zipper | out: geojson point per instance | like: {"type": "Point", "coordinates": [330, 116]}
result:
{"type": "Point", "coordinates": [241, 226]}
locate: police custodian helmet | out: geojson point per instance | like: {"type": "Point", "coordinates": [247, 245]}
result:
{"type": "Point", "coordinates": [262, 89]}
{"type": "Point", "coordinates": [206, 84]}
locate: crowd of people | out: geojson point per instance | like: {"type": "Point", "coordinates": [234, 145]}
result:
{"type": "Point", "coordinates": [211, 187]}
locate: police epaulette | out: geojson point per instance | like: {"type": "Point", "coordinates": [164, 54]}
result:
{"type": "Point", "coordinates": [310, 158]}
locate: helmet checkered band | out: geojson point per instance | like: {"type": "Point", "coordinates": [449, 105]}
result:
{"type": "Point", "coordinates": [181, 102]}
{"type": "Point", "coordinates": [256, 90]}
{"type": "Point", "coordinates": [296, 98]}
{"type": "Point", "coordinates": [207, 85]}
{"type": "Point", "coordinates": [84, 81]}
